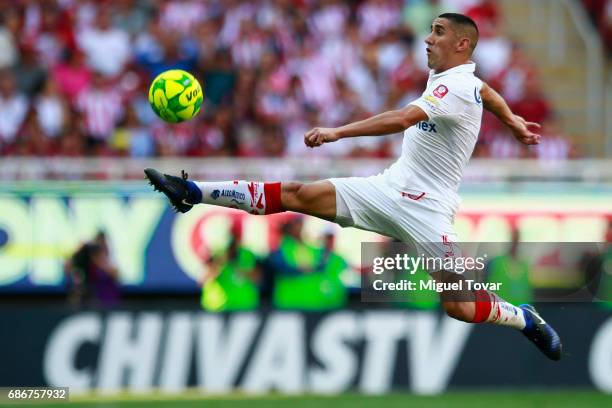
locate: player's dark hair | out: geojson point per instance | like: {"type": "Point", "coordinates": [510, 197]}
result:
{"type": "Point", "coordinates": [462, 21]}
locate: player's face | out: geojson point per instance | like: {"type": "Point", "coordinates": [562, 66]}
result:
{"type": "Point", "coordinates": [440, 43]}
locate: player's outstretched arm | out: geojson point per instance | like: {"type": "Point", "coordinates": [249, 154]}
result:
{"type": "Point", "coordinates": [382, 124]}
{"type": "Point", "coordinates": [494, 103]}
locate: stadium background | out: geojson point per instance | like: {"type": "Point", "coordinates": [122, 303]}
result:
{"type": "Point", "coordinates": [76, 131]}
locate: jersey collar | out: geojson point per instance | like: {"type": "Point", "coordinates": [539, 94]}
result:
{"type": "Point", "coordinates": [470, 68]}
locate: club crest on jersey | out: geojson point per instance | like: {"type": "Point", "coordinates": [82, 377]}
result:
{"type": "Point", "coordinates": [440, 92]}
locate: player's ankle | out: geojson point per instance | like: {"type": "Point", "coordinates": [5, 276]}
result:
{"type": "Point", "coordinates": [195, 193]}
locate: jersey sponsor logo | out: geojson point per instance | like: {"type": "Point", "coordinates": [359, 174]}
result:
{"type": "Point", "coordinates": [427, 127]}
{"type": "Point", "coordinates": [215, 194]}
{"type": "Point", "coordinates": [440, 92]}
{"type": "Point", "coordinates": [477, 95]}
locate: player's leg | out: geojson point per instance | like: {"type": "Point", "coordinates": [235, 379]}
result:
{"type": "Point", "coordinates": [478, 306]}
{"type": "Point", "coordinates": [483, 306]}
{"type": "Point", "coordinates": [317, 198]}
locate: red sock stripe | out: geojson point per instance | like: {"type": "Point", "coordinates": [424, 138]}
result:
{"type": "Point", "coordinates": [273, 197]}
{"type": "Point", "coordinates": [483, 306]}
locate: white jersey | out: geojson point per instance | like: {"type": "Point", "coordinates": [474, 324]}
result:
{"type": "Point", "coordinates": [435, 152]}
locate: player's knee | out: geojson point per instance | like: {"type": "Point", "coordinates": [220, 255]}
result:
{"type": "Point", "coordinates": [316, 198]}
{"type": "Point", "coordinates": [459, 310]}
{"type": "Point", "coordinates": [291, 188]}
{"type": "Point", "coordinates": [299, 192]}
{"type": "Point", "coordinates": [293, 194]}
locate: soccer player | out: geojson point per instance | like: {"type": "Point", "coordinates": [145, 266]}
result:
{"type": "Point", "coordinates": [415, 199]}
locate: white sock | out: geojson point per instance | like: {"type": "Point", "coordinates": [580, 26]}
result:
{"type": "Point", "coordinates": [243, 195]}
{"type": "Point", "coordinates": [505, 314]}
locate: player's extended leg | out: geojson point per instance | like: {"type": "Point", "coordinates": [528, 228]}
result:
{"type": "Point", "coordinates": [483, 306]}
{"type": "Point", "coordinates": [317, 198]}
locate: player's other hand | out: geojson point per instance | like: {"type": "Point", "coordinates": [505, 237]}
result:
{"type": "Point", "coordinates": [520, 129]}
{"type": "Point", "coordinates": [317, 136]}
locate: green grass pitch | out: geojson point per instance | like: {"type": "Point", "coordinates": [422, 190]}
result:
{"type": "Point", "coordinates": [505, 399]}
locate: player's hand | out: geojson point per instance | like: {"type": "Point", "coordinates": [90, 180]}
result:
{"type": "Point", "coordinates": [317, 136]}
{"type": "Point", "coordinates": [520, 130]}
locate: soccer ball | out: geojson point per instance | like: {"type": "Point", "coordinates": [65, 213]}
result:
{"type": "Point", "coordinates": [175, 96]}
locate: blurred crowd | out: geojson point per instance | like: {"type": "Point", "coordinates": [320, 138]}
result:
{"type": "Point", "coordinates": [600, 12]}
{"type": "Point", "coordinates": [74, 75]}
{"type": "Point", "coordinates": [296, 273]}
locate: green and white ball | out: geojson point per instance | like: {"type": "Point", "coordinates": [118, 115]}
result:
{"type": "Point", "coordinates": [175, 96]}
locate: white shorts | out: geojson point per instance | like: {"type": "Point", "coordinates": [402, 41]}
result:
{"type": "Point", "coordinates": [369, 203]}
